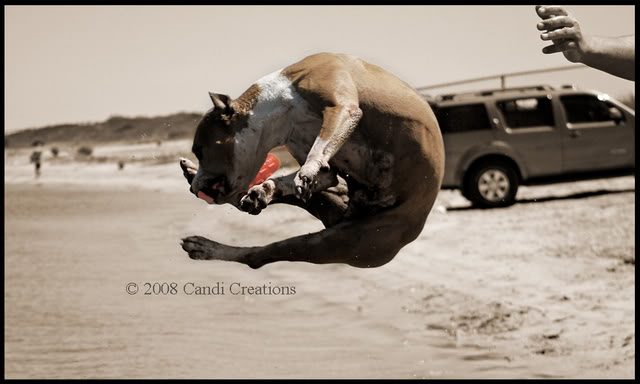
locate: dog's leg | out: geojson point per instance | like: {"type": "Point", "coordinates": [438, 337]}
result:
{"type": "Point", "coordinates": [366, 243]}
{"type": "Point", "coordinates": [259, 196]}
{"type": "Point", "coordinates": [338, 124]}
{"type": "Point", "coordinates": [328, 206]}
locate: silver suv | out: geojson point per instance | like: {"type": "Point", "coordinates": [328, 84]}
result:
{"type": "Point", "coordinates": [496, 140]}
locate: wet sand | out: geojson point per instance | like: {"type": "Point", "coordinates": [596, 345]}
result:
{"type": "Point", "coordinates": [545, 288]}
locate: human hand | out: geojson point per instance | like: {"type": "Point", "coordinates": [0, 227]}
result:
{"type": "Point", "coordinates": [564, 31]}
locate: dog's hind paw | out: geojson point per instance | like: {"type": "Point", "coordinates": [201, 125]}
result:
{"type": "Point", "coordinates": [200, 248]}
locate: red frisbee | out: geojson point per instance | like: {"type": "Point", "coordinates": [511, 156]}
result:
{"type": "Point", "coordinates": [268, 168]}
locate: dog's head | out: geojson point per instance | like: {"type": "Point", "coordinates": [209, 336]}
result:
{"type": "Point", "coordinates": [227, 151]}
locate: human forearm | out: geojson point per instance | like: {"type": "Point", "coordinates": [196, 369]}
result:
{"type": "Point", "coordinates": [614, 55]}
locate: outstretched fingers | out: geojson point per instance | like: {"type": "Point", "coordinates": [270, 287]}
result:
{"type": "Point", "coordinates": [563, 33]}
{"type": "Point", "coordinates": [560, 28]}
{"type": "Point", "coordinates": [561, 46]}
{"type": "Point", "coordinates": [556, 23]}
{"type": "Point", "coordinates": [548, 11]}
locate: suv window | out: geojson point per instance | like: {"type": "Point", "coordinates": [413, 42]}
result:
{"type": "Point", "coordinates": [585, 109]}
{"type": "Point", "coordinates": [463, 118]}
{"type": "Point", "coordinates": [527, 112]}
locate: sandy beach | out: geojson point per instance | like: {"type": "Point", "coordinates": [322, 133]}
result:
{"type": "Point", "coordinates": [542, 289]}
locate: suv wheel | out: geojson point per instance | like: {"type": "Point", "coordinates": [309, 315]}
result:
{"type": "Point", "coordinates": [492, 184]}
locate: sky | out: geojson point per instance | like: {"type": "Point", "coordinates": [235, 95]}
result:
{"type": "Point", "coordinates": [73, 64]}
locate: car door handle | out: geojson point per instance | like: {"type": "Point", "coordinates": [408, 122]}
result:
{"type": "Point", "coordinates": [575, 134]}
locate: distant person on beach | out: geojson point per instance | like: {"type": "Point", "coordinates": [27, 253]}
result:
{"type": "Point", "coordinates": [36, 156]}
{"type": "Point", "coordinates": [614, 55]}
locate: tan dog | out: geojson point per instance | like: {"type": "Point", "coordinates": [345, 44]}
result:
{"type": "Point", "coordinates": [372, 155]}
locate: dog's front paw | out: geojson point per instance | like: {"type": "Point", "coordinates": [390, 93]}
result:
{"type": "Point", "coordinates": [258, 198]}
{"type": "Point", "coordinates": [307, 178]}
{"type": "Point", "coordinates": [254, 201]}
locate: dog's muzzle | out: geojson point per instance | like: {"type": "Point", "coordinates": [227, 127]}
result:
{"type": "Point", "coordinates": [213, 190]}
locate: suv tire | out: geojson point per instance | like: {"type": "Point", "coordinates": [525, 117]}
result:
{"type": "Point", "coordinates": [491, 184]}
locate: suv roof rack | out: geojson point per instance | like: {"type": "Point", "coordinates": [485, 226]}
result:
{"type": "Point", "coordinates": [490, 92]}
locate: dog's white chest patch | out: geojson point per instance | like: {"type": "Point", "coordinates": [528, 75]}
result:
{"type": "Point", "coordinates": [278, 110]}
{"type": "Point", "coordinates": [275, 92]}
{"type": "Point", "coordinates": [278, 103]}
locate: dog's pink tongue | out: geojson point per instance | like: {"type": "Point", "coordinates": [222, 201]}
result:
{"type": "Point", "coordinates": [205, 197]}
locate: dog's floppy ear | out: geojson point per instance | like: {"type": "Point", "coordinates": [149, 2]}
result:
{"type": "Point", "coordinates": [221, 103]}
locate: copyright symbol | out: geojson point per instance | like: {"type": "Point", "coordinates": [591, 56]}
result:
{"type": "Point", "coordinates": [132, 288]}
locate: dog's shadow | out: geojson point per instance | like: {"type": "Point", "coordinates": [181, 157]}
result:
{"type": "Point", "coordinates": [579, 195]}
